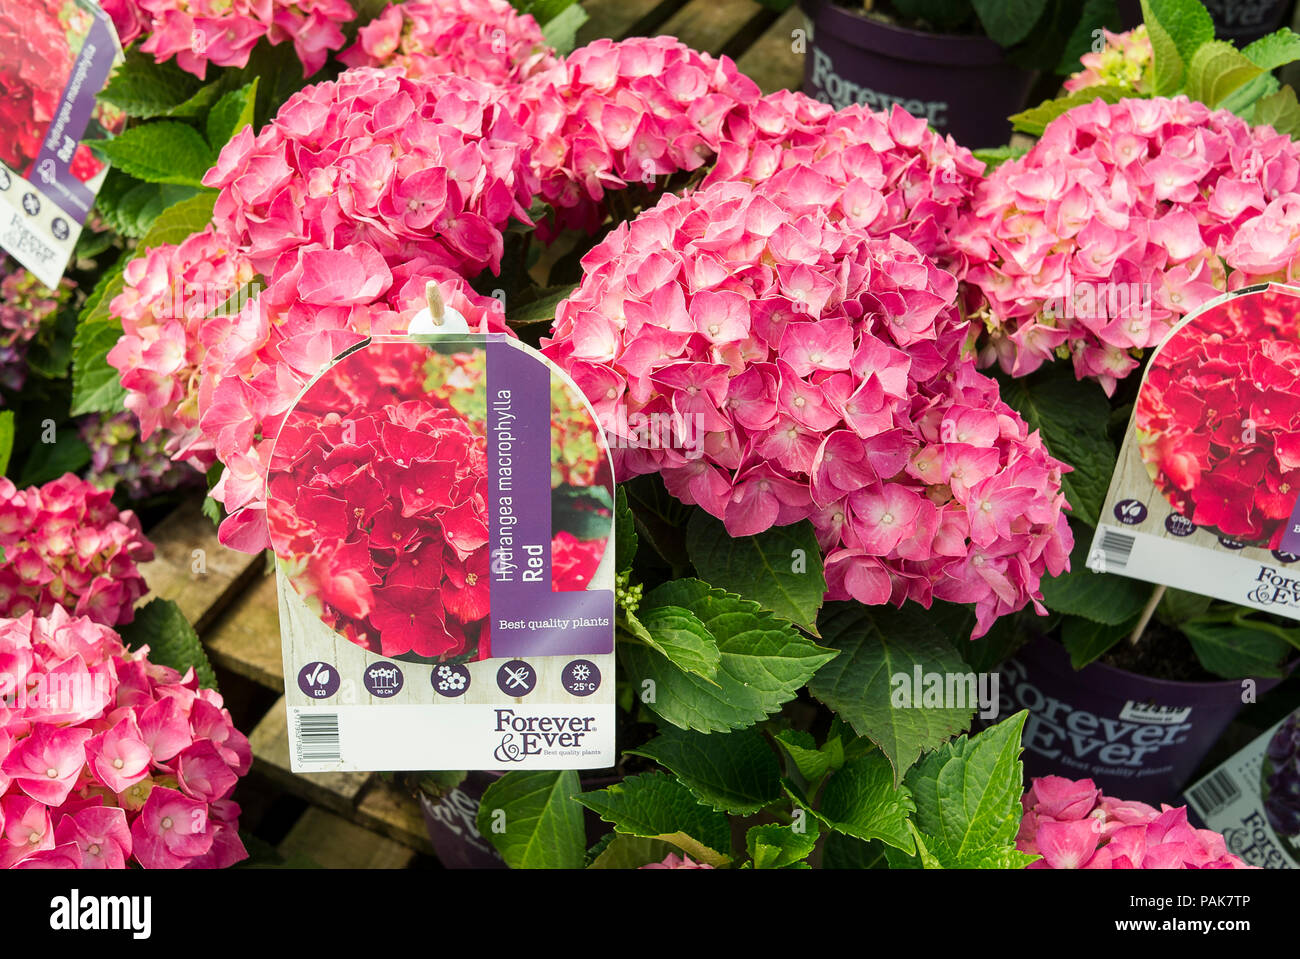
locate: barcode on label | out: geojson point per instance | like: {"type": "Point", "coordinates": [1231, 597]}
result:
{"type": "Point", "coordinates": [1214, 794]}
{"type": "Point", "coordinates": [317, 737]}
{"type": "Point", "coordinates": [1116, 548]}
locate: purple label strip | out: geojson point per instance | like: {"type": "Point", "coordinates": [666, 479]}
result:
{"type": "Point", "coordinates": [528, 619]}
{"type": "Point", "coordinates": [53, 169]}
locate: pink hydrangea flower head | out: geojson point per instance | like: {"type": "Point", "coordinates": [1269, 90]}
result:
{"type": "Point", "coordinates": [674, 861]}
{"type": "Point", "coordinates": [1120, 220]}
{"type": "Point", "coordinates": [67, 546]}
{"type": "Point", "coordinates": [196, 34]}
{"type": "Point", "coordinates": [615, 113]}
{"type": "Point", "coordinates": [431, 168]}
{"type": "Point", "coordinates": [94, 738]}
{"type": "Point", "coordinates": [1071, 825]}
{"type": "Point", "coordinates": [805, 369]}
{"type": "Point", "coordinates": [482, 39]}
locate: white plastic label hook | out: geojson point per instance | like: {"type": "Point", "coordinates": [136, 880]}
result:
{"type": "Point", "coordinates": [437, 317]}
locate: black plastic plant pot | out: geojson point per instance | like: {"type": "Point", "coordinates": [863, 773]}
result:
{"type": "Point", "coordinates": [961, 85]}
{"type": "Point", "coordinates": [1137, 738]}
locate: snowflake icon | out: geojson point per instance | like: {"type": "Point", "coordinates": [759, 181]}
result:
{"type": "Point", "coordinates": [581, 672]}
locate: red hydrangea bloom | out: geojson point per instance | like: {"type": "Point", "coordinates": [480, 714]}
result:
{"type": "Point", "coordinates": [378, 507]}
{"type": "Point", "coordinates": [627, 111]}
{"type": "Point", "coordinates": [1217, 417]}
{"type": "Point", "coordinates": [199, 33]}
{"type": "Point", "coordinates": [1118, 222]}
{"type": "Point", "coordinates": [107, 760]}
{"type": "Point", "coordinates": [574, 561]}
{"type": "Point", "coordinates": [256, 367]}
{"type": "Point", "coordinates": [66, 545]}
{"type": "Point", "coordinates": [35, 62]}
{"type": "Point", "coordinates": [481, 39]}
{"type": "Point", "coordinates": [1073, 826]}
{"type": "Point", "coordinates": [819, 368]}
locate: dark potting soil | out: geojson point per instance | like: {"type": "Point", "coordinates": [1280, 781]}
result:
{"type": "Point", "coordinates": [1163, 653]}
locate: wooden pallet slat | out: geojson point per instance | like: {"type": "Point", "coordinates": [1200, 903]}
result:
{"type": "Point", "coordinates": [711, 26]}
{"type": "Point", "coordinates": [624, 18]}
{"type": "Point", "coordinates": [771, 61]}
{"type": "Point", "coordinates": [335, 843]}
{"type": "Point", "coordinates": [191, 566]}
{"type": "Point", "coordinates": [246, 640]}
{"type": "Point", "coordinates": [389, 811]}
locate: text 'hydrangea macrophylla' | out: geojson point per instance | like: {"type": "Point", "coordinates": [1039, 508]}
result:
{"type": "Point", "coordinates": [1122, 62]}
{"type": "Point", "coordinates": [1118, 222]}
{"type": "Point", "coordinates": [25, 304]}
{"type": "Point", "coordinates": [375, 161]}
{"type": "Point", "coordinates": [224, 32]}
{"type": "Point", "coordinates": [627, 111]}
{"type": "Point", "coordinates": [168, 295]}
{"type": "Point", "coordinates": [66, 545]}
{"type": "Point", "coordinates": [481, 39]}
{"type": "Point", "coordinates": [894, 175]}
{"type": "Point", "coordinates": [823, 368]}
{"type": "Point", "coordinates": [1073, 826]}
{"type": "Point", "coordinates": [377, 504]}
{"type": "Point", "coordinates": [1218, 419]}
{"type": "Point", "coordinates": [107, 759]}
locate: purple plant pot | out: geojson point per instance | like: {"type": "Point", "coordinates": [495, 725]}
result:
{"type": "Point", "coordinates": [453, 830]}
{"type": "Point", "coordinates": [959, 84]}
{"type": "Point", "coordinates": [1136, 737]}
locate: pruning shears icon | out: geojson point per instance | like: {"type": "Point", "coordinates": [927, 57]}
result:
{"type": "Point", "coordinates": [517, 677]}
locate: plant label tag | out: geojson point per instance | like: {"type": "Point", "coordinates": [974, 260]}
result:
{"type": "Point", "coordinates": [1254, 798]}
{"type": "Point", "coordinates": [48, 176]}
{"type": "Point", "coordinates": [1206, 494]}
{"type": "Point", "coordinates": [441, 511]}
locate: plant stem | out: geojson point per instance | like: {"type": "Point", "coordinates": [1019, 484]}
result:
{"type": "Point", "coordinates": [1148, 611]}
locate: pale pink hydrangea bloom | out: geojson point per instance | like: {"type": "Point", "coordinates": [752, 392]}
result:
{"type": "Point", "coordinates": [1073, 826]}
{"type": "Point", "coordinates": [1119, 222]}
{"type": "Point", "coordinates": [108, 760]}
{"type": "Point", "coordinates": [820, 369]}
{"type": "Point", "coordinates": [224, 32]}
{"type": "Point", "coordinates": [481, 39]}
{"type": "Point", "coordinates": [67, 546]}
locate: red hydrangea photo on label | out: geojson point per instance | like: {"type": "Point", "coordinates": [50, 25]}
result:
{"type": "Point", "coordinates": [1218, 416]}
{"type": "Point", "coordinates": [378, 501]}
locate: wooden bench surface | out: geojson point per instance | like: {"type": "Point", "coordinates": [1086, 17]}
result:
{"type": "Point", "coordinates": [361, 819]}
